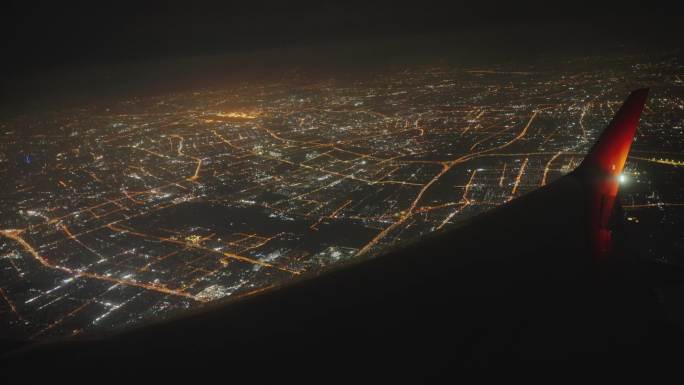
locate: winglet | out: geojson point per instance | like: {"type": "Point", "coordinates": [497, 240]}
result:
{"type": "Point", "coordinates": [611, 150]}
{"type": "Point", "coordinates": [602, 167]}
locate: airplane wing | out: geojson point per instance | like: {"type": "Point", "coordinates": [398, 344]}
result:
{"type": "Point", "coordinates": [602, 167]}
{"type": "Point", "coordinates": [529, 281]}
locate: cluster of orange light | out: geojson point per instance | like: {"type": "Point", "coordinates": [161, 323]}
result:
{"type": "Point", "coordinates": [238, 115]}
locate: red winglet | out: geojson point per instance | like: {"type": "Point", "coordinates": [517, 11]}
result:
{"type": "Point", "coordinates": [610, 152]}
{"type": "Point", "coordinates": [602, 167]}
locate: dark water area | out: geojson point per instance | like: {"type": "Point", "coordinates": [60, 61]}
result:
{"type": "Point", "coordinates": [223, 218]}
{"type": "Point", "coordinates": [339, 233]}
{"type": "Point", "coordinates": [226, 220]}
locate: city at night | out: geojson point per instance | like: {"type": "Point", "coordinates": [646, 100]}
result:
{"type": "Point", "coordinates": [160, 199]}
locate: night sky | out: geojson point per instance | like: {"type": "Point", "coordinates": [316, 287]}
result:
{"type": "Point", "coordinates": [48, 37]}
{"type": "Point", "coordinates": [45, 34]}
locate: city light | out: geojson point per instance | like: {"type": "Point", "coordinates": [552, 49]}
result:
{"type": "Point", "coordinates": [182, 199]}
